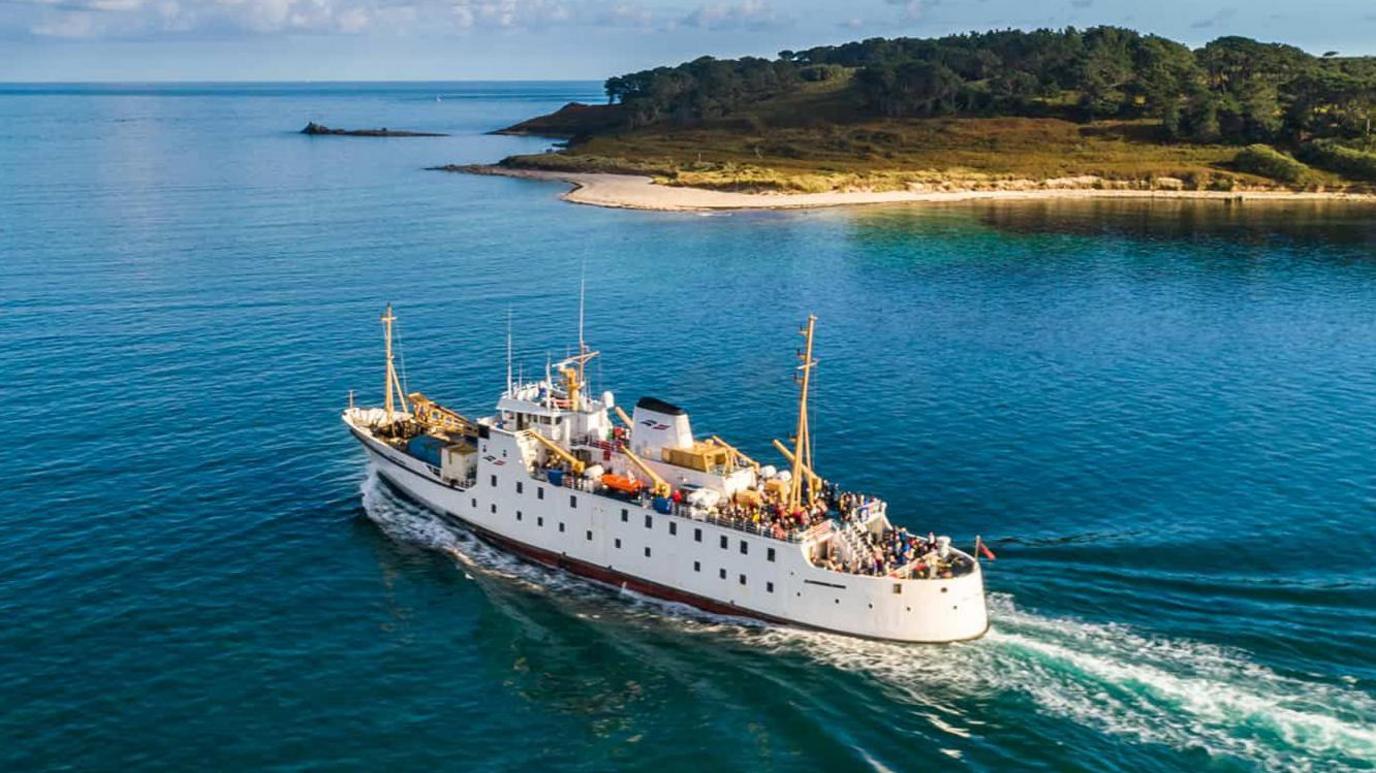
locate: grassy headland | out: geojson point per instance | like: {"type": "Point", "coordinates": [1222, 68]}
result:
{"type": "Point", "coordinates": [1100, 108]}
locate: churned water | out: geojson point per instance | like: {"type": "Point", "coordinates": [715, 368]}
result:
{"type": "Point", "coordinates": [1161, 415]}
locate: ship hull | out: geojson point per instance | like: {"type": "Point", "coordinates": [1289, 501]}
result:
{"type": "Point", "coordinates": [746, 576]}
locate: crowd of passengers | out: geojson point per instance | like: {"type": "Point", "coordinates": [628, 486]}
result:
{"type": "Point", "coordinates": [895, 549]}
{"type": "Point", "coordinates": [889, 552]}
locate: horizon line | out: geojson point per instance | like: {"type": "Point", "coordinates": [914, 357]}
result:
{"type": "Point", "coordinates": [147, 82]}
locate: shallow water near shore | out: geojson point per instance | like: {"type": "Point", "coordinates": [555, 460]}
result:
{"type": "Point", "coordinates": [1160, 414]}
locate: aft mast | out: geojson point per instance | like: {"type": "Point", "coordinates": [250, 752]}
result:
{"type": "Point", "coordinates": [802, 448]}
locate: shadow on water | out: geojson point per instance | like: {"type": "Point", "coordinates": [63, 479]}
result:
{"type": "Point", "coordinates": [629, 668]}
{"type": "Point", "coordinates": [1240, 222]}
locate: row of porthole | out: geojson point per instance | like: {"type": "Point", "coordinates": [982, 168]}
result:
{"type": "Point", "coordinates": [540, 522]}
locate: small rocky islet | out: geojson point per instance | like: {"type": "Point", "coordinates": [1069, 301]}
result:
{"type": "Point", "coordinates": [315, 129]}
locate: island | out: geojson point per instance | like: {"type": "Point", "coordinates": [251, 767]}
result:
{"type": "Point", "coordinates": [316, 129]}
{"type": "Point", "coordinates": [1099, 111]}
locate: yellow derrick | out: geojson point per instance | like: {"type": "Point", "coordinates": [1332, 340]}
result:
{"type": "Point", "coordinates": [436, 417]}
{"type": "Point", "coordinates": [802, 453]}
{"type": "Point", "coordinates": [661, 487]}
{"type": "Point", "coordinates": [575, 463]}
{"type": "Point", "coordinates": [815, 481]}
{"type": "Point", "coordinates": [736, 452]}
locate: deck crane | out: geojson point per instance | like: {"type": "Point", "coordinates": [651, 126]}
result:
{"type": "Point", "coordinates": [736, 452]}
{"type": "Point", "coordinates": [814, 480]}
{"type": "Point", "coordinates": [575, 464]}
{"type": "Point", "coordinates": [661, 487]}
{"type": "Point", "coordinates": [436, 417]}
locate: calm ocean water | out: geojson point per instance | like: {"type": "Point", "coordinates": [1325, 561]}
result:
{"type": "Point", "coordinates": [1163, 417]}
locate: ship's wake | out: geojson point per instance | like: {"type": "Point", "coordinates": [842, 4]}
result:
{"type": "Point", "coordinates": [1182, 694]}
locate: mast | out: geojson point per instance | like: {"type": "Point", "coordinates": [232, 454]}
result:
{"type": "Point", "coordinates": [582, 345]}
{"type": "Point", "coordinates": [802, 448]}
{"type": "Point", "coordinates": [392, 382]}
{"type": "Point", "coordinates": [508, 352]}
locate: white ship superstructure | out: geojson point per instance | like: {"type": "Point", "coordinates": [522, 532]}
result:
{"type": "Point", "coordinates": [637, 501]}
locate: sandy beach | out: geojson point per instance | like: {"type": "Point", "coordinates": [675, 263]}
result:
{"type": "Point", "coordinates": [640, 192]}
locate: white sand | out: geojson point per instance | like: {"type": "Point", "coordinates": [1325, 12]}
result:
{"type": "Point", "coordinates": [638, 192]}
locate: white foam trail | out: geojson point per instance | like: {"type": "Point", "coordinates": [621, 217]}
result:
{"type": "Point", "coordinates": [1184, 694]}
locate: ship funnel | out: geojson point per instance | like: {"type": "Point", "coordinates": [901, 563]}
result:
{"type": "Point", "coordinates": [658, 425]}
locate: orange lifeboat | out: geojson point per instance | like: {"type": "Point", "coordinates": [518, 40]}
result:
{"type": "Point", "coordinates": [621, 483]}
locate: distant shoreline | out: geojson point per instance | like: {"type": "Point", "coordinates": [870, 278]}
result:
{"type": "Point", "coordinates": [626, 191]}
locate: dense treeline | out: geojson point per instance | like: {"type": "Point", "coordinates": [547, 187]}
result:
{"type": "Point", "coordinates": [1232, 90]}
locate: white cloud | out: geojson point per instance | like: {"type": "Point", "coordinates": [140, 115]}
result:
{"type": "Point", "coordinates": [912, 10]}
{"type": "Point", "coordinates": [747, 14]}
{"type": "Point", "coordinates": [133, 18]}
{"type": "Point", "coordinates": [622, 14]}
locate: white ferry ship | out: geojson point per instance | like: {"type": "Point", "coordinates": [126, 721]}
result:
{"type": "Point", "coordinates": [645, 505]}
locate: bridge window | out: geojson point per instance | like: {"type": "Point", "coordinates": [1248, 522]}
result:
{"type": "Point", "coordinates": [769, 553]}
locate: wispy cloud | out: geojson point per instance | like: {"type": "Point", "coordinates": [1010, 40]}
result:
{"type": "Point", "coordinates": [1221, 16]}
{"type": "Point", "coordinates": [150, 18]}
{"type": "Point", "coordinates": [747, 14]}
{"type": "Point", "coordinates": [911, 10]}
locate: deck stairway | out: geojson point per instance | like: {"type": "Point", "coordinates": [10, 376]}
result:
{"type": "Point", "coordinates": [854, 547]}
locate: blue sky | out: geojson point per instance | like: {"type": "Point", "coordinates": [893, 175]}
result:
{"type": "Point", "coordinates": [123, 40]}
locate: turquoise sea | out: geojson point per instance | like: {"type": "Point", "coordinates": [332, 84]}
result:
{"type": "Point", "coordinates": [1161, 415]}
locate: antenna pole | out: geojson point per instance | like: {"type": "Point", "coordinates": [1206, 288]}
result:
{"type": "Point", "coordinates": [802, 448]}
{"type": "Point", "coordinates": [508, 351]}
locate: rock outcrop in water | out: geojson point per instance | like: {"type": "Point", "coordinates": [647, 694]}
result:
{"type": "Point", "coordinates": [314, 129]}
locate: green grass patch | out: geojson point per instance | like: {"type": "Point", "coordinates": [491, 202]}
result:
{"type": "Point", "coordinates": [1266, 161]}
{"type": "Point", "coordinates": [1346, 161]}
